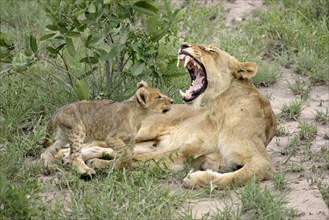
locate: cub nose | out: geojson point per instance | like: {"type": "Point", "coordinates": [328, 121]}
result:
{"type": "Point", "coordinates": [184, 45]}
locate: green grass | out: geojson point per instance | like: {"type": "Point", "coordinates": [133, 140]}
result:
{"type": "Point", "coordinates": [292, 110]}
{"type": "Point", "coordinates": [322, 116]}
{"type": "Point", "coordinates": [295, 35]}
{"type": "Point", "coordinates": [119, 195]}
{"type": "Point", "coordinates": [261, 203]}
{"type": "Point", "coordinates": [300, 88]}
{"type": "Point", "coordinates": [324, 189]}
{"type": "Point", "coordinates": [266, 75]}
{"type": "Point", "coordinates": [280, 183]}
{"type": "Point", "coordinates": [307, 132]}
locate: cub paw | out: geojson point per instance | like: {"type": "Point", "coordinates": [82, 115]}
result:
{"type": "Point", "coordinates": [83, 169]}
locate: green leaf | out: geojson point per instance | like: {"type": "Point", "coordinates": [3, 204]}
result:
{"type": "Point", "coordinates": [94, 39]}
{"type": "Point", "coordinates": [5, 40]}
{"type": "Point", "coordinates": [33, 44]}
{"type": "Point", "coordinates": [161, 49]}
{"type": "Point", "coordinates": [47, 36]}
{"type": "Point", "coordinates": [116, 49]}
{"type": "Point", "coordinates": [92, 8]}
{"type": "Point", "coordinates": [73, 34]}
{"type": "Point", "coordinates": [123, 37]}
{"type": "Point", "coordinates": [92, 60]}
{"type": "Point", "coordinates": [173, 16]}
{"type": "Point", "coordinates": [70, 47]}
{"type": "Point", "coordinates": [63, 29]}
{"type": "Point", "coordinates": [28, 52]}
{"type": "Point", "coordinates": [76, 14]}
{"type": "Point", "coordinates": [107, 2]}
{"type": "Point", "coordinates": [172, 71]}
{"type": "Point", "coordinates": [137, 68]}
{"type": "Point", "coordinates": [81, 89]}
{"type": "Point", "coordinates": [52, 27]}
{"type": "Point", "coordinates": [145, 8]}
{"type": "Point", "coordinates": [51, 49]}
{"type": "Point", "coordinates": [60, 47]}
{"type": "Point", "coordinates": [158, 36]}
{"type": "Point", "coordinates": [151, 24]}
{"type": "Point", "coordinates": [20, 67]}
{"type": "Point", "coordinates": [82, 27]}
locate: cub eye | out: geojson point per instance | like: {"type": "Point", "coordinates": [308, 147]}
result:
{"type": "Point", "coordinates": [160, 97]}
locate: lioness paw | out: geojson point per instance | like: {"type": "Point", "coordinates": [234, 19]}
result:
{"type": "Point", "coordinates": [201, 178]}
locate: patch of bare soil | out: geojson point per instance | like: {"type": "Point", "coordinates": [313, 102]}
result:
{"type": "Point", "coordinates": [239, 10]}
{"type": "Point", "coordinates": [301, 167]}
{"type": "Point", "coordinates": [304, 195]}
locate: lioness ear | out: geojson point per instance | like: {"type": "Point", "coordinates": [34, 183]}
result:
{"type": "Point", "coordinates": [142, 83]}
{"type": "Point", "coordinates": [246, 70]}
{"type": "Point", "coordinates": [142, 96]}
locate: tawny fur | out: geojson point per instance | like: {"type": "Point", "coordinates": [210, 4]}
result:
{"type": "Point", "coordinates": [110, 124]}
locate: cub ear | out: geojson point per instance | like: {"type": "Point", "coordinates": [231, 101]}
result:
{"type": "Point", "coordinates": [142, 83]}
{"type": "Point", "coordinates": [142, 96]}
{"type": "Point", "coordinates": [245, 70]}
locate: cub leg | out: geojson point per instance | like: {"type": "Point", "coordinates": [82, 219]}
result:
{"type": "Point", "coordinates": [76, 138]}
{"type": "Point", "coordinates": [49, 155]}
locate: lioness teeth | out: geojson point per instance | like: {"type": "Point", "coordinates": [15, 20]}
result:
{"type": "Point", "coordinates": [178, 61]}
{"type": "Point", "coordinates": [182, 93]}
{"type": "Point", "coordinates": [187, 59]}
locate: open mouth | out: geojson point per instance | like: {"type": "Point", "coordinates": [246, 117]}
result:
{"type": "Point", "coordinates": [198, 76]}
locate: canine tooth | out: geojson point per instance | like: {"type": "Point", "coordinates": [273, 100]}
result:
{"type": "Point", "coordinates": [178, 61]}
{"type": "Point", "coordinates": [182, 93]}
{"type": "Point", "coordinates": [187, 59]}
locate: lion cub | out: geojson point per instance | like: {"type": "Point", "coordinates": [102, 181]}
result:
{"type": "Point", "coordinates": [108, 123]}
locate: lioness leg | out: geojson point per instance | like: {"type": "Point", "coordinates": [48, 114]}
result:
{"type": "Point", "coordinates": [257, 167]}
{"type": "Point", "coordinates": [63, 153]}
{"type": "Point", "coordinates": [87, 153]}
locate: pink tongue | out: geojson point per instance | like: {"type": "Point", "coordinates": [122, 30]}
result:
{"type": "Point", "coordinates": [196, 86]}
{"type": "Point", "coordinates": [197, 83]}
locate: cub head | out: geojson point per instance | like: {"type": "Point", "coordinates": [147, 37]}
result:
{"type": "Point", "coordinates": [211, 70]}
{"type": "Point", "coordinates": [151, 99]}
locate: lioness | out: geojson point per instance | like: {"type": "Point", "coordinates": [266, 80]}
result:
{"type": "Point", "coordinates": [226, 128]}
{"type": "Point", "coordinates": [110, 124]}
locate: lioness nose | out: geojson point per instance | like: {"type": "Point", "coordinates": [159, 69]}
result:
{"type": "Point", "coordinates": [184, 45]}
